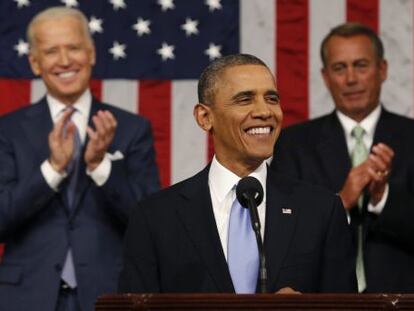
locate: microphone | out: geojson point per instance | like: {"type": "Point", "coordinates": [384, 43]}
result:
{"type": "Point", "coordinates": [249, 193]}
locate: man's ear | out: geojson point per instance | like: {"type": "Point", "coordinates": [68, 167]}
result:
{"type": "Point", "coordinates": [34, 63]}
{"type": "Point", "coordinates": [324, 73]}
{"type": "Point", "coordinates": [383, 66]}
{"type": "Point", "coordinates": [202, 115]}
{"type": "Point", "coordinates": [92, 53]}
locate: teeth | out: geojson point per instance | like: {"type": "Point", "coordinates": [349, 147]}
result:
{"type": "Point", "coordinates": [66, 74]}
{"type": "Point", "coordinates": [259, 130]}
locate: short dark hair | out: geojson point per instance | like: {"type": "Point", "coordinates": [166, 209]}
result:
{"type": "Point", "coordinates": [210, 75]}
{"type": "Point", "coordinates": [350, 30]}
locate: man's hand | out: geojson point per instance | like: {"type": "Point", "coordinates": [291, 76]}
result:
{"type": "Point", "coordinates": [381, 157]}
{"type": "Point", "coordinates": [372, 173]}
{"type": "Point", "coordinates": [287, 290]}
{"type": "Point", "coordinates": [100, 139]}
{"type": "Point", "coordinates": [358, 178]}
{"type": "Point", "coordinates": [61, 142]}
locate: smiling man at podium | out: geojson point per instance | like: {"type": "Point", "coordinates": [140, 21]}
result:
{"type": "Point", "coordinates": [195, 237]}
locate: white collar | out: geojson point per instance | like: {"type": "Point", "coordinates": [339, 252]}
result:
{"type": "Point", "coordinates": [222, 180]}
{"type": "Point", "coordinates": [82, 105]}
{"type": "Point", "coordinates": [368, 124]}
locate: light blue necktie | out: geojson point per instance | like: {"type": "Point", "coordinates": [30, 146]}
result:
{"type": "Point", "coordinates": [358, 155]}
{"type": "Point", "coordinates": [68, 271]}
{"type": "Point", "coordinates": [242, 251]}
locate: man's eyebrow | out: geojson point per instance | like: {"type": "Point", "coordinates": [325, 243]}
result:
{"type": "Point", "coordinates": [272, 92]}
{"type": "Point", "coordinates": [243, 94]}
{"type": "Point", "coordinates": [343, 62]}
{"type": "Point", "coordinates": [252, 93]}
{"type": "Point", "coordinates": [361, 60]}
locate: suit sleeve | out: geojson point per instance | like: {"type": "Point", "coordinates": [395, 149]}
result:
{"type": "Point", "coordinates": [285, 158]}
{"type": "Point", "coordinates": [140, 269]}
{"type": "Point", "coordinates": [397, 218]}
{"type": "Point", "coordinates": [338, 266]}
{"type": "Point", "coordinates": [136, 175]}
{"type": "Point", "coordinates": [395, 223]}
{"type": "Point", "coordinates": [23, 190]}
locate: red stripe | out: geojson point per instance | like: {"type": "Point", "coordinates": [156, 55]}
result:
{"type": "Point", "coordinates": [292, 59]}
{"type": "Point", "coordinates": [96, 89]}
{"type": "Point", "coordinates": [14, 94]}
{"type": "Point", "coordinates": [365, 12]}
{"type": "Point", "coordinates": [155, 104]}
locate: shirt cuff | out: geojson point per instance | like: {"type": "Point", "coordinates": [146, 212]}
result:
{"type": "Point", "coordinates": [377, 209]}
{"type": "Point", "coordinates": [52, 177]}
{"type": "Point", "coordinates": [101, 173]}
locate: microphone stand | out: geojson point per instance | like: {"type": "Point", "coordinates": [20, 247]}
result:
{"type": "Point", "coordinates": [254, 217]}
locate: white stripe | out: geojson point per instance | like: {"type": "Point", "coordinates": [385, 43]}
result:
{"type": "Point", "coordinates": [323, 16]}
{"type": "Point", "coordinates": [188, 141]}
{"type": "Point", "coordinates": [396, 30]}
{"type": "Point", "coordinates": [121, 93]}
{"type": "Point", "coordinates": [257, 30]}
{"type": "Point", "coordinates": [38, 90]}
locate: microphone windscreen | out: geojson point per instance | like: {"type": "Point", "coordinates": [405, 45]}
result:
{"type": "Point", "coordinates": [249, 187]}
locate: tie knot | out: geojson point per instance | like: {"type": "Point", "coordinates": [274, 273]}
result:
{"type": "Point", "coordinates": [72, 110]}
{"type": "Point", "coordinates": [67, 108]}
{"type": "Point", "coordinates": [358, 132]}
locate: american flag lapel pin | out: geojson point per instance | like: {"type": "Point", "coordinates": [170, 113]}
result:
{"type": "Point", "coordinates": [286, 211]}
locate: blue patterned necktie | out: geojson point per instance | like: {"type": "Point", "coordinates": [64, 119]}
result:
{"type": "Point", "coordinates": [72, 169]}
{"type": "Point", "coordinates": [68, 271]}
{"type": "Point", "coordinates": [358, 155]}
{"type": "Point", "coordinates": [242, 251]}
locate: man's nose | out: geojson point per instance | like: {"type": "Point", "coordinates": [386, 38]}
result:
{"type": "Point", "coordinates": [351, 76]}
{"type": "Point", "coordinates": [64, 58]}
{"type": "Point", "coordinates": [261, 109]}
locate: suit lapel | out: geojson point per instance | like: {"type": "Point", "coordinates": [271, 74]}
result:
{"type": "Point", "coordinates": [37, 126]}
{"type": "Point", "coordinates": [280, 223]}
{"type": "Point", "coordinates": [333, 152]}
{"type": "Point", "coordinates": [83, 180]}
{"type": "Point", "coordinates": [198, 219]}
{"type": "Point", "coordinates": [82, 185]}
{"type": "Point", "coordinates": [384, 129]}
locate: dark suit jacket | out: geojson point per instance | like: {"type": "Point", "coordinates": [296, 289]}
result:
{"type": "Point", "coordinates": [172, 243]}
{"type": "Point", "coordinates": [316, 151]}
{"type": "Point", "coordinates": [36, 224]}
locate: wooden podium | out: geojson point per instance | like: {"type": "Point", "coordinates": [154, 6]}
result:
{"type": "Point", "coordinates": [134, 302]}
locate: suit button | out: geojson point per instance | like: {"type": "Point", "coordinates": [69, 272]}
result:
{"type": "Point", "coordinates": [58, 267]}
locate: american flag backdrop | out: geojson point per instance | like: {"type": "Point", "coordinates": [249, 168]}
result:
{"type": "Point", "coordinates": [151, 52]}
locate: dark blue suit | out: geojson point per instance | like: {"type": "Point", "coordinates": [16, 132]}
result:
{"type": "Point", "coordinates": [172, 243]}
{"type": "Point", "coordinates": [316, 151]}
{"type": "Point", "coordinates": [36, 224]}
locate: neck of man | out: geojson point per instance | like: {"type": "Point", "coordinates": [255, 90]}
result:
{"type": "Point", "coordinates": [68, 100]}
{"type": "Point", "coordinates": [238, 167]}
{"type": "Point", "coordinates": [359, 115]}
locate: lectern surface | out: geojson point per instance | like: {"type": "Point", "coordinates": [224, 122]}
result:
{"type": "Point", "coordinates": [135, 302]}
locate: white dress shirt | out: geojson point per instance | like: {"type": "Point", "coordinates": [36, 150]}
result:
{"type": "Point", "coordinates": [369, 124]}
{"type": "Point", "coordinates": [80, 117]}
{"type": "Point", "coordinates": [221, 182]}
